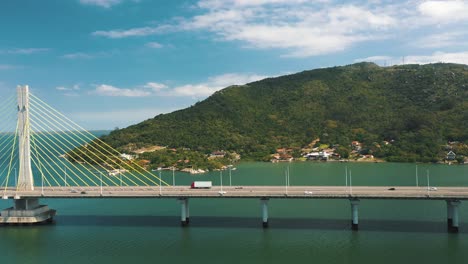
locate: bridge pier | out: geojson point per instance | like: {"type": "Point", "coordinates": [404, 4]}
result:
{"type": "Point", "coordinates": [354, 214]}
{"type": "Point", "coordinates": [184, 212]}
{"type": "Point", "coordinates": [264, 205]}
{"type": "Point", "coordinates": [452, 215]}
{"type": "Point", "coordinates": [187, 211]}
{"type": "Point", "coordinates": [27, 211]}
{"type": "Point", "coordinates": [449, 213]}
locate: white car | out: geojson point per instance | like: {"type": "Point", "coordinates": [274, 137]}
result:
{"type": "Point", "coordinates": [222, 192]}
{"type": "Point", "coordinates": [307, 192]}
{"type": "Point", "coordinates": [432, 188]}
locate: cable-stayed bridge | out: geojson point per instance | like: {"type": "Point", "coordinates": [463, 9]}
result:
{"type": "Point", "coordinates": [40, 148]}
{"type": "Point", "coordinates": [45, 148]}
{"type": "Point", "coordinates": [44, 154]}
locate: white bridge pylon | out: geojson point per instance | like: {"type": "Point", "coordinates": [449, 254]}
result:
{"type": "Point", "coordinates": [25, 176]}
{"type": "Point", "coordinates": [40, 147]}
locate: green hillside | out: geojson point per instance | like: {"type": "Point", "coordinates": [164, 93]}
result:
{"type": "Point", "coordinates": [418, 108]}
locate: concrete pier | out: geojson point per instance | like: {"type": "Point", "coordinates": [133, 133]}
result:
{"type": "Point", "coordinates": [27, 211]}
{"type": "Point", "coordinates": [449, 214]}
{"type": "Point", "coordinates": [187, 211]}
{"type": "Point", "coordinates": [454, 204]}
{"type": "Point", "coordinates": [184, 210]}
{"type": "Point", "coordinates": [264, 205]}
{"type": "Point", "coordinates": [354, 214]}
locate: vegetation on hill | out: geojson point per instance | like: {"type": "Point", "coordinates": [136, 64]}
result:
{"type": "Point", "coordinates": [418, 108]}
{"type": "Point", "coordinates": [185, 159]}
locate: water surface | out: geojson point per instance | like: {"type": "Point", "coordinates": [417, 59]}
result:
{"type": "Point", "coordinates": [229, 230]}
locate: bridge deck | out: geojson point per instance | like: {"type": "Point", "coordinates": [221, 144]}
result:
{"type": "Point", "coordinates": [304, 192]}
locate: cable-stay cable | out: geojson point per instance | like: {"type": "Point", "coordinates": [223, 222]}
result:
{"type": "Point", "coordinates": [56, 166]}
{"type": "Point", "coordinates": [43, 148]}
{"type": "Point", "coordinates": [37, 164]}
{"type": "Point", "coordinates": [54, 143]}
{"type": "Point", "coordinates": [97, 139]}
{"type": "Point", "coordinates": [4, 152]}
{"type": "Point", "coordinates": [49, 148]}
{"type": "Point", "coordinates": [8, 130]}
{"type": "Point", "coordinates": [73, 151]}
{"type": "Point", "coordinates": [50, 155]}
{"type": "Point", "coordinates": [9, 122]}
{"type": "Point", "coordinates": [36, 142]}
{"type": "Point", "coordinates": [42, 174]}
{"type": "Point", "coordinates": [33, 141]}
{"type": "Point", "coordinates": [11, 157]}
{"type": "Point", "coordinates": [94, 154]}
{"type": "Point", "coordinates": [6, 140]}
{"type": "Point", "coordinates": [9, 102]}
{"type": "Point", "coordinates": [14, 165]}
{"type": "Point", "coordinates": [7, 160]}
{"type": "Point", "coordinates": [91, 145]}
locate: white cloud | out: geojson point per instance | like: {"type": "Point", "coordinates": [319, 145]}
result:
{"type": "Point", "coordinates": [214, 84]}
{"type": "Point", "coordinates": [304, 28]}
{"type": "Point", "coordinates": [89, 55]}
{"type": "Point", "coordinates": [378, 59]}
{"type": "Point", "coordinates": [447, 57]}
{"type": "Point", "coordinates": [78, 55]}
{"type": "Point", "coordinates": [71, 94]}
{"type": "Point", "coordinates": [154, 45]}
{"type": "Point", "coordinates": [196, 90]}
{"type": "Point", "coordinates": [453, 57]}
{"type": "Point", "coordinates": [24, 51]}
{"type": "Point", "coordinates": [108, 90]}
{"type": "Point", "coordinates": [440, 40]}
{"type": "Point", "coordinates": [243, 3]}
{"type": "Point", "coordinates": [301, 28]}
{"type": "Point", "coordinates": [69, 91]}
{"type": "Point", "coordinates": [75, 87]}
{"type": "Point", "coordinates": [133, 32]}
{"type": "Point", "coordinates": [444, 11]}
{"type": "Point", "coordinates": [155, 86]}
{"type": "Point", "coordinates": [101, 3]}
{"type": "Point", "coordinates": [116, 118]}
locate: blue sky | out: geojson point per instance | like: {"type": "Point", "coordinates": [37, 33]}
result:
{"type": "Point", "coordinates": [112, 63]}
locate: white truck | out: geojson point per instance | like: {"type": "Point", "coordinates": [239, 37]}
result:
{"type": "Point", "coordinates": [201, 185]}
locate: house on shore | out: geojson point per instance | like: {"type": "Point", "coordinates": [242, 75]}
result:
{"type": "Point", "coordinates": [127, 156]}
{"type": "Point", "coordinates": [451, 156]}
{"type": "Point", "coordinates": [217, 154]}
{"type": "Point", "coordinates": [318, 155]}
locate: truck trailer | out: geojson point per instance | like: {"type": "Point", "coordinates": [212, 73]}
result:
{"type": "Point", "coordinates": [201, 185]}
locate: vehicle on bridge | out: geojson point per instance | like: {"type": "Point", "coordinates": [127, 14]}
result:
{"type": "Point", "coordinates": [201, 185]}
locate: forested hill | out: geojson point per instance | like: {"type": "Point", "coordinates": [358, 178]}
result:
{"type": "Point", "coordinates": [418, 108]}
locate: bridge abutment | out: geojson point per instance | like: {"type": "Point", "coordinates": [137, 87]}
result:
{"type": "Point", "coordinates": [27, 211]}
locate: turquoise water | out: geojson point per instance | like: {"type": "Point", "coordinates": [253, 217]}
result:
{"type": "Point", "coordinates": [229, 231]}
